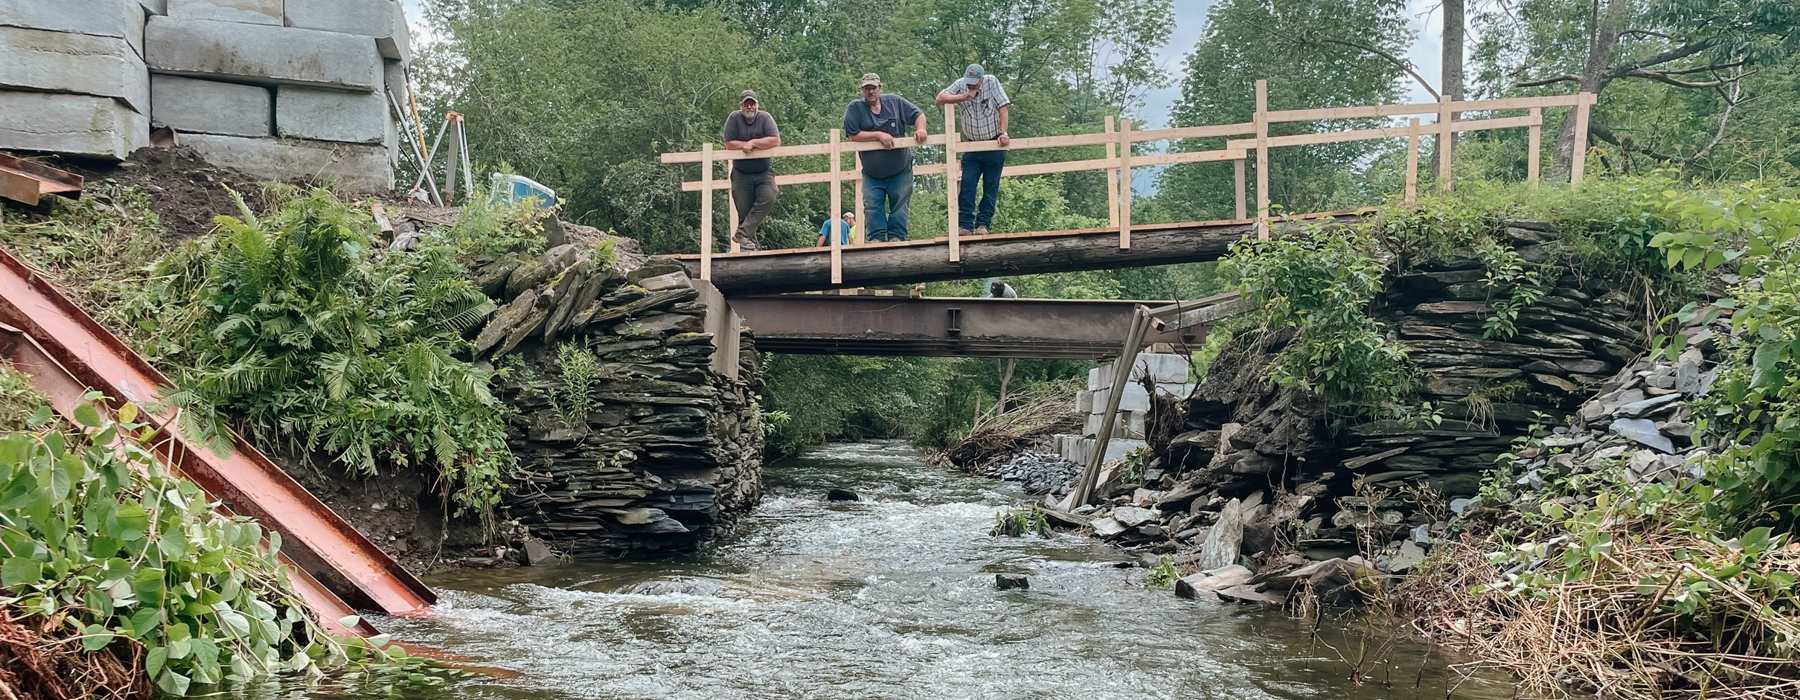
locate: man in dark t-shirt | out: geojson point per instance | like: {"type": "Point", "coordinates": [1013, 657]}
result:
{"type": "Point", "coordinates": [752, 181]}
{"type": "Point", "coordinates": [887, 177]}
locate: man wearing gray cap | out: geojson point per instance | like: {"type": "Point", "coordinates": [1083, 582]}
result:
{"type": "Point", "coordinates": [983, 116]}
{"type": "Point", "coordinates": [752, 182]}
{"type": "Point", "coordinates": [886, 174]}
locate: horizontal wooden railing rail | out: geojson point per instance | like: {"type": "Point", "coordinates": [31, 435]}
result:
{"type": "Point", "coordinates": [1120, 159]}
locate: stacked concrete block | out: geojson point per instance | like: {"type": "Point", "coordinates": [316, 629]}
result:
{"type": "Point", "coordinates": [1168, 372]}
{"type": "Point", "coordinates": [283, 89]}
{"type": "Point", "coordinates": [73, 78]}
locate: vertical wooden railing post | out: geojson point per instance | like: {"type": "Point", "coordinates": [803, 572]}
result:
{"type": "Point", "coordinates": [837, 209]}
{"type": "Point", "coordinates": [1237, 171]}
{"type": "Point", "coordinates": [706, 222]}
{"type": "Point", "coordinates": [1124, 184]}
{"type": "Point", "coordinates": [1262, 158]}
{"type": "Point", "coordinates": [1112, 180]}
{"type": "Point", "coordinates": [1535, 144]}
{"type": "Point", "coordinates": [857, 237]}
{"type": "Point", "coordinates": [1412, 159]}
{"type": "Point", "coordinates": [1578, 160]}
{"type": "Point", "coordinates": [731, 203]}
{"type": "Point", "coordinates": [950, 175]}
{"type": "Point", "coordinates": [1445, 138]}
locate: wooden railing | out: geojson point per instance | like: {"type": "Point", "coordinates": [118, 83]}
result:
{"type": "Point", "coordinates": [1120, 160]}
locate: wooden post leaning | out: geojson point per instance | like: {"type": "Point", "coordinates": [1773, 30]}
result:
{"type": "Point", "coordinates": [1124, 184]}
{"type": "Point", "coordinates": [1412, 159]}
{"type": "Point", "coordinates": [706, 222]}
{"type": "Point", "coordinates": [731, 203]}
{"type": "Point", "coordinates": [1536, 144]}
{"type": "Point", "coordinates": [1262, 159]}
{"type": "Point", "coordinates": [1112, 179]}
{"type": "Point", "coordinates": [950, 174]}
{"type": "Point", "coordinates": [1578, 159]}
{"type": "Point", "coordinates": [1446, 137]}
{"type": "Point", "coordinates": [837, 209]}
{"type": "Point", "coordinates": [1090, 474]}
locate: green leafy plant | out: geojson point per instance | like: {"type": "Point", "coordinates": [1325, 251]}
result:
{"type": "Point", "coordinates": [581, 371]}
{"type": "Point", "coordinates": [1019, 522]}
{"type": "Point", "coordinates": [1164, 575]}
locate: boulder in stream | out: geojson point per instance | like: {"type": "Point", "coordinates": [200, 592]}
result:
{"type": "Point", "coordinates": [841, 495]}
{"type": "Point", "coordinates": [1007, 582]}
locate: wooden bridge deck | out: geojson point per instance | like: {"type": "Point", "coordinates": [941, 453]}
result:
{"type": "Point", "coordinates": [994, 255]}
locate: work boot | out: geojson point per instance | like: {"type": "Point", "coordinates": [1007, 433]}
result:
{"type": "Point", "coordinates": [745, 244]}
{"type": "Point", "coordinates": [964, 232]}
{"type": "Point", "coordinates": [980, 231]}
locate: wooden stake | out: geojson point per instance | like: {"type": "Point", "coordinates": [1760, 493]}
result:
{"type": "Point", "coordinates": [706, 222]}
{"type": "Point", "coordinates": [861, 216]}
{"type": "Point", "coordinates": [1578, 164]}
{"type": "Point", "coordinates": [1134, 338]}
{"type": "Point", "coordinates": [950, 176]}
{"type": "Point", "coordinates": [1536, 139]}
{"type": "Point", "coordinates": [731, 203]}
{"type": "Point", "coordinates": [1237, 168]}
{"type": "Point", "coordinates": [1124, 184]}
{"type": "Point", "coordinates": [837, 211]}
{"type": "Point", "coordinates": [1412, 159]}
{"type": "Point", "coordinates": [1262, 158]}
{"type": "Point", "coordinates": [1445, 137]}
{"type": "Point", "coordinates": [1112, 180]}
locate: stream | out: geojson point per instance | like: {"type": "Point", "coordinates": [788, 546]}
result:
{"type": "Point", "coordinates": [893, 597]}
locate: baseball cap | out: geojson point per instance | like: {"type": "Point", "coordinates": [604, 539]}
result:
{"type": "Point", "coordinates": [974, 74]}
{"type": "Point", "coordinates": [871, 79]}
{"type": "Point", "coordinates": [748, 96]}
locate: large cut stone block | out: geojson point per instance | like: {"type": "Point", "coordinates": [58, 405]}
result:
{"type": "Point", "coordinates": [75, 124]}
{"type": "Point", "coordinates": [384, 20]}
{"type": "Point", "coordinates": [243, 11]}
{"type": "Point", "coordinates": [69, 62]}
{"type": "Point", "coordinates": [1162, 367]}
{"type": "Point", "coordinates": [355, 167]}
{"type": "Point", "coordinates": [120, 19]}
{"type": "Point", "coordinates": [155, 7]}
{"type": "Point", "coordinates": [331, 115]}
{"type": "Point", "coordinates": [252, 52]}
{"type": "Point", "coordinates": [209, 107]}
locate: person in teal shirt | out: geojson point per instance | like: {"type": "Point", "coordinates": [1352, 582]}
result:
{"type": "Point", "coordinates": [845, 227]}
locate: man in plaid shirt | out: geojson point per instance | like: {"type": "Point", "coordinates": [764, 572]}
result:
{"type": "Point", "coordinates": [983, 116]}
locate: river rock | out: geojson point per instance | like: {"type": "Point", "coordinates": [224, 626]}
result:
{"type": "Point", "coordinates": [1007, 582]}
{"type": "Point", "coordinates": [1221, 546]}
{"type": "Point", "coordinates": [1210, 581]}
{"type": "Point", "coordinates": [539, 554]}
{"type": "Point", "coordinates": [1106, 526]}
{"type": "Point", "coordinates": [1133, 516]}
{"type": "Point", "coordinates": [1248, 594]}
{"type": "Point", "coordinates": [1643, 431]}
{"type": "Point", "coordinates": [841, 495]}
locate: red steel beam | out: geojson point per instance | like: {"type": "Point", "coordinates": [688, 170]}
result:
{"type": "Point", "coordinates": [323, 545]}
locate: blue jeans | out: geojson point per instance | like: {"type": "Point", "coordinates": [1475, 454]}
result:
{"type": "Point", "coordinates": [888, 199]}
{"type": "Point", "coordinates": [982, 166]}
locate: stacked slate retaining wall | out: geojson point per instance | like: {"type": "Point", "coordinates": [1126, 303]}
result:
{"type": "Point", "coordinates": [665, 449]}
{"type": "Point", "coordinates": [277, 89]}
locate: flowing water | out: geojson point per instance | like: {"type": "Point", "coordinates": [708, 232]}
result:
{"type": "Point", "coordinates": [893, 597]}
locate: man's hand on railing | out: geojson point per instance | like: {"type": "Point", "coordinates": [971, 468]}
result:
{"type": "Point", "coordinates": [920, 136]}
{"type": "Point", "coordinates": [887, 139]}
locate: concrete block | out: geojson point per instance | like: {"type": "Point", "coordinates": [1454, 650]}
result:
{"type": "Point", "coordinates": [75, 124]}
{"type": "Point", "coordinates": [1162, 367]}
{"type": "Point", "coordinates": [383, 20]}
{"type": "Point", "coordinates": [1179, 391]}
{"type": "Point", "coordinates": [331, 115]}
{"type": "Point", "coordinates": [210, 107]}
{"type": "Point", "coordinates": [155, 7]}
{"type": "Point", "coordinates": [356, 167]}
{"type": "Point", "coordinates": [69, 62]}
{"type": "Point", "coordinates": [120, 19]}
{"type": "Point", "coordinates": [1134, 398]}
{"type": "Point", "coordinates": [1100, 398]}
{"type": "Point", "coordinates": [393, 75]}
{"type": "Point", "coordinates": [257, 53]}
{"type": "Point", "coordinates": [1084, 402]}
{"type": "Point", "coordinates": [1116, 448]}
{"type": "Point", "coordinates": [242, 11]}
{"type": "Point", "coordinates": [1098, 378]}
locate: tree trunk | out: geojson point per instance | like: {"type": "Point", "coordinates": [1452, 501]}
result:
{"type": "Point", "coordinates": [1451, 81]}
{"type": "Point", "coordinates": [1593, 79]}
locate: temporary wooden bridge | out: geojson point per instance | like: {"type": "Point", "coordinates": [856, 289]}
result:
{"type": "Point", "coordinates": [969, 256]}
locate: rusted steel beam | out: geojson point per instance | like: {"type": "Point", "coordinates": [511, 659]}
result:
{"type": "Point", "coordinates": [25, 181]}
{"type": "Point", "coordinates": [824, 324]}
{"type": "Point", "coordinates": [320, 542]}
{"type": "Point", "coordinates": [907, 262]}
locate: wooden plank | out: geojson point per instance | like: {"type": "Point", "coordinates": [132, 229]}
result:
{"type": "Point", "coordinates": [1412, 159]}
{"type": "Point", "coordinates": [1060, 141]}
{"type": "Point", "coordinates": [1237, 171]}
{"type": "Point", "coordinates": [1208, 314]}
{"type": "Point", "coordinates": [814, 149]}
{"type": "Point", "coordinates": [706, 223]}
{"type": "Point", "coordinates": [1383, 133]}
{"type": "Point", "coordinates": [731, 203]}
{"type": "Point", "coordinates": [1016, 170]}
{"type": "Point", "coordinates": [1419, 108]}
{"type": "Point", "coordinates": [1446, 142]}
{"type": "Point", "coordinates": [1112, 180]}
{"type": "Point", "coordinates": [1578, 164]}
{"type": "Point", "coordinates": [862, 215]}
{"type": "Point", "coordinates": [1262, 158]}
{"type": "Point", "coordinates": [837, 211]}
{"type": "Point", "coordinates": [950, 176]}
{"type": "Point", "coordinates": [1124, 184]}
{"type": "Point", "coordinates": [1534, 149]}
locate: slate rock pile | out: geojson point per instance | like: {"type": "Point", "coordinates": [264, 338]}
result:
{"type": "Point", "coordinates": [1037, 473]}
{"type": "Point", "coordinates": [661, 450]}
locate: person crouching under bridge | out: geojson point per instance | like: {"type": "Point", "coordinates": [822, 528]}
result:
{"type": "Point", "coordinates": [983, 116]}
{"type": "Point", "coordinates": [752, 181]}
{"type": "Point", "coordinates": [887, 177]}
